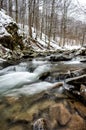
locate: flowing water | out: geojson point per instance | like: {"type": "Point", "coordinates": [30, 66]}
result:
{"type": "Point", "coordinates": [21, 84]}
{"type": "Point", "coordinates": [24, 78]}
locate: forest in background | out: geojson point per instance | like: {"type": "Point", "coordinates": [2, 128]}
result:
{"type": "Point", "coordinates": [54, 18]}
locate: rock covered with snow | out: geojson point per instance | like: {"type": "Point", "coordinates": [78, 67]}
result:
{"type": "Point", "coordinates": [5, 19]}
{"type": "Point", "coordinates": [9, 36]}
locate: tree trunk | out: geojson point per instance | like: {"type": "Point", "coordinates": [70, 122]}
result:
{"type": "Point", "coordinates": [10, 8]}
{"type": "Point", "coordinates": [1, 4]}
{"type": "Point", "coordinates": [30, 18]}
{"type": "Point", "coordinates": [51, 20]}
{"type": "Point", "coordinates": [16, 2]}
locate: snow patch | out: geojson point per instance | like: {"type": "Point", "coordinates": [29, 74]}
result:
{"type": "Point", "coordinates": [5, 19]}
{"type": "Point", "coordinates": [69, 47]}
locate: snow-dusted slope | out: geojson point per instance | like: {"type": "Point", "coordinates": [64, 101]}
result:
{"type": "Point", "coordinates": [42, 44]}
{"type": "Point", "coordinates": [5, 19]}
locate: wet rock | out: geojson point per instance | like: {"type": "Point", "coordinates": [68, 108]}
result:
{"type": "Point", "coordinates": [63, 76]}
{"type": "Point", "coordinates": [83, 52]}
{"type": "Point", "coordinates": [60, 58]}
{"type": "Point", "coordinates": [81, 109]}
{"type": "Point", "coordinates": [78, 72]}
{"type": "Point", "coordinates": [17, 128]}
{"type": "Point", "coordinates": [60, 113]}
{"type": "Point", "coordinates": [59, 96]}
{"type": "Point", "coordinates": [1, 62]}
{"type": "Point", "coordinates": [84, 60]}
{"type": "Point", "coordinates": [83, 91]}
{"type": "Point", "coordinates": [56, 85]}
{"type": "Point", "coordinates": [77, 81]}
{"type": "Point", "coordinates": [41, 124]}
{"type": "Point", "coordinates": [11, 100]}
{"type": "Point", "coordinates": [44, 75]}
{"type": "Point", "coordinates": [76, 123]}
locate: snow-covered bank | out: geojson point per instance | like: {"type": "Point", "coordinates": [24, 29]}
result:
{"type": "Point", "coordinates": [9, 37]}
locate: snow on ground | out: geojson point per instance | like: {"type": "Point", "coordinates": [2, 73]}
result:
{"type": "Point", "coordinates": [72, 47]}
{"type": "Point", "coordinates": [4, 21]}
{"type": "Point", "coordinates": [54, 45]}
{"type": "Point", "coordinates": [44, 44]}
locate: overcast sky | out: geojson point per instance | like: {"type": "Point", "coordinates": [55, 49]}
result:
{"type": "Point", "coordinates": [83, 2]}
{"type": "Point", "coordinates": [82, 5]}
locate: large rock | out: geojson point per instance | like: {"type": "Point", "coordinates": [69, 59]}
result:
{"type": "Point", "coordinates": [60, 114]}
{"type": "Point", "coordinates": [81, 109]}
{"type": "Point", "coordinates": [9, 36]}
{"type": "Point", "coordinates": [76, 123]}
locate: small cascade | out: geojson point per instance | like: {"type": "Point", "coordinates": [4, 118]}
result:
{"type": "Point", "coordinates": [18, 79]}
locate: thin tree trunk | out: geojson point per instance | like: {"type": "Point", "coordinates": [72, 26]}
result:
{"type": "Point", "coordinates": [16, 2]}
{"type": "Point", "coordinates": [51, 20]}
{"type": "Point", "coordinates": [1, 4]}
{"type": "Point", "coordinates": [30, 18]}
{"type": "Point", "coordinates": [10, 8]}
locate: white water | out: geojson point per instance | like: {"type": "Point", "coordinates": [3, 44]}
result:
{"type": "Point", "coordinates": [17, 79]}
{"type": "Point", "coordinates": [24, 78]}
{"type": "Point", "coordinates": [29, 89]}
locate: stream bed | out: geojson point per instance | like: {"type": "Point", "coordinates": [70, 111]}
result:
{"type": "Point", "coordinates": [28, 100]}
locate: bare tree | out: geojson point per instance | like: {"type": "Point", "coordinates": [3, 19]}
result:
{"type": "Point", "coordinates": [30, 17]}
{"type": "Point", "coordinates": [16, 4]}
{"type": "Point", "coordinates": [51, 20]}
{"type": "Point", "coordinates": [1, 4]}
{"type": "Point", "coordinates": [10, 8]}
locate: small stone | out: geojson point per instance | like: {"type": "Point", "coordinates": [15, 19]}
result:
{"type": "Point", "coordinates": [83, 91]}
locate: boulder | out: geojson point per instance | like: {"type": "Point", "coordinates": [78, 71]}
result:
{"type": "Point", "coordinates": [59, 113]}
{"type": "Point", "coordinates": [76, 123]}
{"type": "Point", "coordinates": [9, 36]}
{"type": "Point", "coordinates": [81, 109]}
